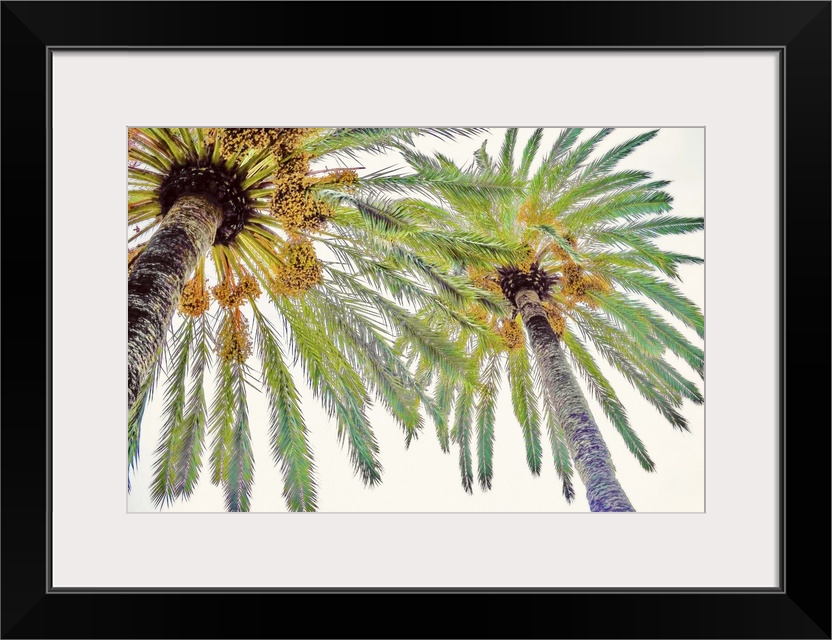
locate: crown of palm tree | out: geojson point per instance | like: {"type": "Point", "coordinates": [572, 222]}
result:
{"type": "Point", "coordinates": [309, 266]}
{"type": "Point", "coordinates": [588, 233]}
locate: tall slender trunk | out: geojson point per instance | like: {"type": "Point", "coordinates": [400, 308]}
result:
{"type": "Point", "coordinates": [587, 447]}
{"type": "Point", "coordinates": [158, 277]}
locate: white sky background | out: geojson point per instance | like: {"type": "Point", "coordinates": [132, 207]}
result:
{"type": "Point", "coordinates": [422, 478]}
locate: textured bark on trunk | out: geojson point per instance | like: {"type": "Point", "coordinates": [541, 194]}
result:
{"type": "Point", "coordinates": [587, 447]}
{"type": "Point", "coordinates": [158, 277]}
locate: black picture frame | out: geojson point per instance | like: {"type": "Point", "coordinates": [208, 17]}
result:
{"type": "Point", "coordinates": [798, 608]}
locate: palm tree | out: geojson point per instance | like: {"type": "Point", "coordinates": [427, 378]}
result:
{"type": "Point", "coordinates": [590, 260]}
{"type": "Point", "coordinates": [246, 207]}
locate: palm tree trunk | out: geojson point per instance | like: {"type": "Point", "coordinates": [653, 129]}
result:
{"type": "Point", "coordinates": [156, 281]}
{"type": "Point", "coordinates": [587, 447]}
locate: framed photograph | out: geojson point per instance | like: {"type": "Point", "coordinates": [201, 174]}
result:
{"type": "Point", "coordinates": [733, 98]}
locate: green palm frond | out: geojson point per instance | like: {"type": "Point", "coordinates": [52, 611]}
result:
{"type": "Point", "coordinates": [572, 160]}
{"type": "Point", "coordinates": [288, 434]}
{"type": "Point", "coordinates": [482, 160]}
{"type": "Point", "coordinates": [429, 214]}
{"type": "Point", "coordinates": [221, 423]}
{"type": "Point", "coordinates": [375, 360]}
{"type": "Point", "coordinates": [135, 415]}
{"type": "Point", "coordinates": [465, 190]}
{"type": "Point", "coordinates": [352, 142]}
{"type": "Point", "coordinates": [444, 398]}
{"type": "Point", "coordinates": [429, 343]}
{"type": "Point", "coordinates": [564, 142]}
{"type": "Point", "coordinates": [648, 328]}
{"type": "Point", "coordinates": [607, 398]}
{"type": "Point", "coordinates": [398, 258]}
{"type": "Point", "coordinates": [678, 344]}
{"type": "Point", "coordinates": [529, 153]}
{"type": "Point", "coordinates": [609, 159]}
{"type": "Point", "coordinates": [461, 432]}
{"type": "Point", "coordinates": [674, 382]}
{"type": "Point", "coordinates": [656, 380]}
{"type": "Point", "coordinates": [521, 381]}
{"type": "Point", "coordinates": [165, 481]}
{"type": "Point", "coordinates": [662, 293]}
{"type": "Point", "coordinates": [549, 168]}
{"type": "Point", "coordinates": [506, 165]}
{"type": "Point", "coordinates": [560, 453]}
{"type": "Point", "coordinates": [561, 242]}
{"type": "Point", "coordinates": [586, 191]}
{"type": "Point", "coordinates": [629, 204]}
{"type": "Point", "coordinates": [398, 279]}
{"type": "Point", "coordinates": [485, 416]}
{"type": "Point", "coordinates": [467, 248]}
{"type": "Point", "coordinates": [336, 383]}
{"type": "Point", "coordinates": [662, 226]}
{"type": "Point", "coordinates": [239, 473]}
{"type": "Point", "coordinates": [377, 215]}
{"type": "Point", "coordinates": [632, 316]}
{"type": "Point", "coordinates": [189, 455]}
